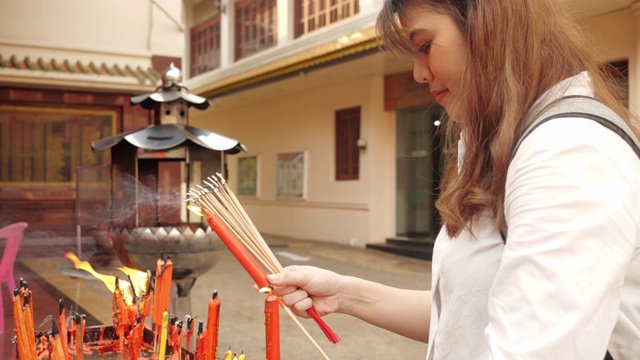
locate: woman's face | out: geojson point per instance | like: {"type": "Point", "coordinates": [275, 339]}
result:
{"type": "Point", "coordinates": [441, 54]}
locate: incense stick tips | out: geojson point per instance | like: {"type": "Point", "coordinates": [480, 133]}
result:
{"type": "Point", "coordinates": [193, 195]}
{"type": "Point", "coordinates": [211, 185]}
{"type": "Point", "coordinates": [203, 189]}
{"type": "Point", "coordinates": [222, 180]}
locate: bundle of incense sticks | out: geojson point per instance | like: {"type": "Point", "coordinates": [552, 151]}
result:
{"type": "Point", "coordinates": [229, 220]}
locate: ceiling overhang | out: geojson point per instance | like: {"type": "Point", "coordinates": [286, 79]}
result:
{"type": "Point", "coordinates": [357, 43]}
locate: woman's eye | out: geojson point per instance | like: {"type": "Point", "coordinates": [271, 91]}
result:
{"type": "Point", "coordinates": [425, 48]}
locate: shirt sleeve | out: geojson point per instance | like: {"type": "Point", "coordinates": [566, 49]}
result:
{"type": "Point", "coordinates": [571, 201]}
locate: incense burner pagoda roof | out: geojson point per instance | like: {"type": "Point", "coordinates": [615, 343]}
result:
{"type": "Point", "coordinates": [151, 101]}
{"type": "Point", "coordinates": [167, 136]}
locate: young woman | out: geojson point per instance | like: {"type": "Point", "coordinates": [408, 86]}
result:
{"type": "Point", "coordinates": [539, 255]}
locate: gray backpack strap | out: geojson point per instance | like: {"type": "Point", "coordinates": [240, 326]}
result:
{"type": "Point", "coordinates": [586, 108]}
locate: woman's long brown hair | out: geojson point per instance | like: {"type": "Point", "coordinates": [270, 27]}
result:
{"type": "Point", "coordinates": [517, 50]}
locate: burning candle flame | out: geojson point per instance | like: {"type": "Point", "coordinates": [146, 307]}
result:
{"type": "Point", "coordinates": [138, 277]}
{"type": "Point", "coordinates": [196, 210]}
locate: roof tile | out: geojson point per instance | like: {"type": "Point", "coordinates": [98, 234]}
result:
{"type": "Point", "coordinates": [148, 76]}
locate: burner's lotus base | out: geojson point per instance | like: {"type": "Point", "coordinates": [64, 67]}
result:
{"type": "Point", "coordinates": [192, 252]}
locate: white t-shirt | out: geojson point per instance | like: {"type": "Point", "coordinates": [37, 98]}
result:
{"type": "Point", "coordinates": [567, 283]}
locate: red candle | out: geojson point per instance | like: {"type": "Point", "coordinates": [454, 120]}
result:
{"type": "Point", "coordinates": [201, 340]}
{"type": "Point", "coordinates": [162, 293]}
{"type": "Point", "coordinates": [63, 327]}
{"type": "Point", "coordinates": [189, 332]}
{"type": "Point", "coordinates": [28, 321]}
{"type": "Point", "coordinates": [79, 338]}
{"type": "Point", "coordinates": [21, 332]}
{"type": "Point", "coordinates": [167, 277]}
{"type": "Point", "coordinates": [234, 245]}
{"type": "Point", "coordinates": [213, 326]}
{"type": "Point", "coordinates": [120, 314]}
{"type": "Point", "coordinates": [156, 313]}
{"type": "Point", "coordinates": [57, 352]}
{"type": "Point", "coordinates": [272, 326]}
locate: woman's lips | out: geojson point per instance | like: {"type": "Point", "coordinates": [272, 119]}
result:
{"type": "Point", "coordinates": [439, 95]}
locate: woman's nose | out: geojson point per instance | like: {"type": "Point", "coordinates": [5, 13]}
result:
{"type": "Point", "coordinates": [421, 72]}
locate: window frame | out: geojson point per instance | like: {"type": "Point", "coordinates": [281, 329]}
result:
{"type": "Point", "coordinates": [347, 133]}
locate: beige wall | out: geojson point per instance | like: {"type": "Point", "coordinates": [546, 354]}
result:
{"type": "Point", "coordinates": [616, 36]}
{"type": "Point", "coordinates": [350, 212]}
{"type": "Point", "coordinates": [116, 31]}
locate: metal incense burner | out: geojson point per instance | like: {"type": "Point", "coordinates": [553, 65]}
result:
{"type": "Point", "coordinates": [151, 170]}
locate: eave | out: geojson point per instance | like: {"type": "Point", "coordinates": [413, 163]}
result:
{"type": "Point", "coordinates": [360, 42]}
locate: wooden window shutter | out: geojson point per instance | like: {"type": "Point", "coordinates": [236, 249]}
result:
{"type": "Point", "coordinates": [347, 151]}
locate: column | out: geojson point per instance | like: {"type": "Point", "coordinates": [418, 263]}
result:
{"type": "Point", "coordinates": [227, 33]}
{"type": "Point", "coordinates": [285, 21]}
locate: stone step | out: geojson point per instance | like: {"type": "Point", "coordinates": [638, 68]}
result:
{"type": "Point", "coordinates": [418, 248]}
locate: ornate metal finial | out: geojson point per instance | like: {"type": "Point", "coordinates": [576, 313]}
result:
{"type": "Point", "coordinates": [171, 77]}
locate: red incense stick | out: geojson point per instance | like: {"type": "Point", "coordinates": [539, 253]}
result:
{"type": "Point", "coordinates": [254, 270]}
{"type": "Point", "coordinates": [249, 253]}
{"type": "Point", "coordinates": [241, 254]}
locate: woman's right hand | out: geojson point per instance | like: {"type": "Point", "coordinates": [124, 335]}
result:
{"type": "Point", "coordinates": [304, 287]}
{"type": "Point", "coordinates": [405, 312]}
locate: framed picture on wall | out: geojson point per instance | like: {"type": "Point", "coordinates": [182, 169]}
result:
{"type": "Point", "coordinates": [291, 171]}
{"type": "Point", "coordinates": [248, 176]}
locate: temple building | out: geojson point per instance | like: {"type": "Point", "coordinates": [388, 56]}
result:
{"type": "Point", "coordinates": [342, 144]}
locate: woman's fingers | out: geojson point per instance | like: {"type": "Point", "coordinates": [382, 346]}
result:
{"type": "Point", "coordinates": [292, 298]}
{"type": "Point", "coordinates": [300, 308]}
{"type": "Point", "coordinates": [291, 275]}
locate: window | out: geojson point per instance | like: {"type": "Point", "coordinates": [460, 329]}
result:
{"type": "Point", "coordinates": [291, 171]}
{"type": "Point", "coordinates": [347, 152]}
{"type": "Point", "coordinates": [205, 47]}
{"type": "Point", "coordinates": [619, 72]}
{"type": "Point", "coordinates": [256, 25]}
{"type": "Point", "coordinates": [248, 176]}
{"type": "Point", "coordinates": [44, 146]}
{"type": "Point", "coordinates": [311, 15]}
